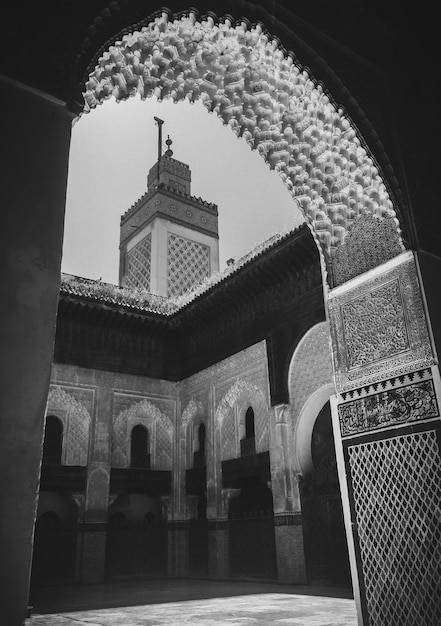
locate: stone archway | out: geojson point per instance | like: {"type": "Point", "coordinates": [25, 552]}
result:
{"type": "Point", "coordinates": [244, 76]}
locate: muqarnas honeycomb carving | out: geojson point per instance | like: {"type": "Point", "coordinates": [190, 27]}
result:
{"type": "Point", "coordinates": [397, 493]}
{"type": "Point", "coordinates": [138, 265]}
{"type": "Point", "coordinates": [188, 264]}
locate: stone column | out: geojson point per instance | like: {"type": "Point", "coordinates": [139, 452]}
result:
{"type": "Point", "coordinates": [387, 429]}
{"type": "Point", "coordinates": [217, 513]}
{"type": "Point", "coordinates": [177, 541]}
{"type": "Point", "coordinates": [175, 508]}
{"type": "Point", "coordinates": [219, 539]}
{"type": "Point", "coordinates": [34, 152]}
{"type": "Point", "coordinates": [288, 529]}
{"type": "Point", "coordinates": [94, 527]}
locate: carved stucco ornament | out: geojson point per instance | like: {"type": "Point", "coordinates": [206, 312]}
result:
{"type": "Point", "coordinates": [265, 97]}
{"type": "Point", "coordinates": [76, 424]}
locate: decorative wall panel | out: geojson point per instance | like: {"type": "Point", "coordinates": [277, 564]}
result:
{"type": "Point", "coordinates": [397, 405]}
{"type": "Point", "coordinates": [378, 327]}
{"type": "Point", "coordinates": [397, 497]}
{"type": "Point", "coordinates": [76, 421]}
{"type": "Point", "coordinates": [188, 264]}
{"type": "Point", "coordinates": [160, 427]}
{"type": "Point", "coordinates": [138, 265]}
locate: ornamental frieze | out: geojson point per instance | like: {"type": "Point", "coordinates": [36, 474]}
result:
{"type": "Point", "coordinates": [388, 408]}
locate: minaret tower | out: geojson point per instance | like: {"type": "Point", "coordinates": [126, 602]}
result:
{"type": "Point", "coordinates": [169, 239]}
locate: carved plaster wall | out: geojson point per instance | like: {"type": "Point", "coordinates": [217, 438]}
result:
{"type": "Point", "coordinates": [378, 326]}
{"type": "Point", "coordinates": [267, 98]}
{"type": "Point", "coordinates": [230, 416]}
{"type": "Point", "coordinates": [67, 403]}
{"type": "Point", "coordinates": [146, 412]}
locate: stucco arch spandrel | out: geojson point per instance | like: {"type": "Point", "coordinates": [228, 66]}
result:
{"type": "Point", "coordinates": [76, 425]}
{"type": "Point", "coordinates": [160, 429]}
{"type": "Point", "coordinates": [241, 74]}
{"type": "Point", "coordinates": [241, 395]}
{"type": "Point", "coordinates": [310, 384]}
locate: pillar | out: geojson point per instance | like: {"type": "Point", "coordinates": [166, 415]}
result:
{"type": "Point", "coordinates": [288, 529]}
{"type": "Point", "coordinates": [34, 155]}
{"type": "Point", "coordinates": [95, 521]}
{"type": "Point", "coordinates": [387, 429]}
{"type": "Point", "coordinates": [177, 541]}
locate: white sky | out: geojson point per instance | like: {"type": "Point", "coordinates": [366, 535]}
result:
{"type": "Point", "coordinates": [112, 150]}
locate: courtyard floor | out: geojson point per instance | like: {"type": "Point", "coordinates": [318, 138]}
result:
{"type": "Point", "coordinates": [195, 602]}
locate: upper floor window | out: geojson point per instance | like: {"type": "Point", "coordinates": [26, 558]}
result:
{"type": "Point", "coordinates": [199, 455]}
{"type": "Point", "coordinates": [247, 444]}
{"type": "Point", "coordinates": [139, 447]}
{"type": "Point", "coordinates": [53, 441]}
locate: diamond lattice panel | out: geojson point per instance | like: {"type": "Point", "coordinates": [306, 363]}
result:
{"type": "Point", "coordinates": [188, 264]}
{"type": "Point", "coordinates": [397, 493]}
{"type": "Point", "coordinates": [137, 265]}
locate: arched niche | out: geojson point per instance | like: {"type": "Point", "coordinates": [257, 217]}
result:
{"type": "Point", "coordinates": [243, 76]}
{"type": "Point", "coordinates": [305, 427]}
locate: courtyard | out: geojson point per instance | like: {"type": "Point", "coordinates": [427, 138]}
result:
{"type": "Point", "coordinates": [206, 603]}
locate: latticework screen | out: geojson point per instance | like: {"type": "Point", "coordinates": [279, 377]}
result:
{"type": "Point", "coordinates": [188, 264]}
{"type": "Point", "coordinates": [138, 264]}
{"type": "Point", "coordinates": [397, 496]}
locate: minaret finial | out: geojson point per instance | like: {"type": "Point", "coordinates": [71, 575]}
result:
{"type": "Point", "coordinates": [160, 123]}
{"type": "Point", "coordinates": [168, 152]}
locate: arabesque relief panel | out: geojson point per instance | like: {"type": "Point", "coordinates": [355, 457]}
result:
{"type": "Point", "coordinates": [378, 326]}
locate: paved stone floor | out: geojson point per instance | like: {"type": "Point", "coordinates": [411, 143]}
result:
{"type": "Point", "coordinates": [195, 602]}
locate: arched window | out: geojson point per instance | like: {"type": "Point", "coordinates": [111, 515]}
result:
{"type": "Point", "coordinates": [247, 444]}
{"type": "Point", "coordinates": [139, 447]}
{"type": "Point", "coordinates": [249, 423]}
{"type": "Point", "coordinates": [199, 456]}
{"type": "Point", "coordinates": [53, 441]}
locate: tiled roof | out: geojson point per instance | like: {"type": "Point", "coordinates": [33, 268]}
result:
{"type": "Point", "coordinates": [142, 300]}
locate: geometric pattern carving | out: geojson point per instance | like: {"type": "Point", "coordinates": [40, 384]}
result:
{"type": "Point", "coordinates": [238, 398]}
{"type": "Point", "coordinates": [378, 327]}
{"type": "Point", "coordinates": [397, 496]}
{"type": "Point", "coordinates": [389, 408]}
{"type": "Point", "coordinates": [160, 431]}
{"type": "Point", "coordinates": [374, 325]}
{"type": "Point", "coordinates": [76, 425]}
{"type": "Point", "coordinates": [369, 242]}
{"type": "Point", "coordinates": [188, 264]}
{"type": "Point", "coordinates": [138, 264]}
{"type": "Point", "coordinates": [283, 113]}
